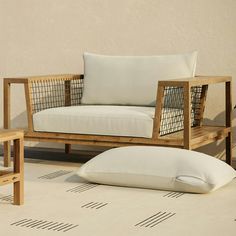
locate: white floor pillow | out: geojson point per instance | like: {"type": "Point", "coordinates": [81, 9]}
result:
{"type": "Point", "coordinates": [158, 168]}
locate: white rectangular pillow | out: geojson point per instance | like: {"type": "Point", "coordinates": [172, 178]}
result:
{"type": "Point", "coordinates": [131, 80]}
{"type": "Point", "coordinates": [158, 168]}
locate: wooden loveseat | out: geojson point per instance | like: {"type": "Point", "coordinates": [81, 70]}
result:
{"type": "Point", "coordinates": [176, 120]}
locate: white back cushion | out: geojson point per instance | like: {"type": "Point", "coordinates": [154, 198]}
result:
{"type": "Point", "coordinates": [131, 80]}
{"type": "Point", "coordinates": [158, 168]}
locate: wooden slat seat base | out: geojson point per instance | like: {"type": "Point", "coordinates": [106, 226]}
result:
{"type": "Point", "coordinates": [199, 136]}
{"type": "Point", "coordinates": [202, 135]}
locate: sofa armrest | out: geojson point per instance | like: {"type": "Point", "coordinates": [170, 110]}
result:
{"type": "Point", "coordinates": [43, 92]}
{"type": "Point", "coordinates": [196, 81]}
{"type": "Point", "coordinates": [180, 103]}
{"type": "Point", "coordinates": [54, 91]}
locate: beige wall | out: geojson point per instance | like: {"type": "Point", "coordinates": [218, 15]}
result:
{"type": "Point", "coordinates": [46, 36]}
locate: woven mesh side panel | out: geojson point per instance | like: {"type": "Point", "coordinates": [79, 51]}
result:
{"type": "Point", "coordinates": [51, 93]}
{"type": "Point", "coordinates": [172, 117]}
{"type": "Point", "coordinates": [196, 93]}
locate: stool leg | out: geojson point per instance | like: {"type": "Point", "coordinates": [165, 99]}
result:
{"type": "Point", "coordinates": [19, 168]}
{"type": "Point", "coordinates": [7, 154]}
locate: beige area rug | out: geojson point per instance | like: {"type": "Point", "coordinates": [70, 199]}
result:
{"type": "Point", "coordinates": [57, 202]}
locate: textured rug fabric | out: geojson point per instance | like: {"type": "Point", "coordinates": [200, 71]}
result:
{"type": "Point", "coordinates": [57, 202]}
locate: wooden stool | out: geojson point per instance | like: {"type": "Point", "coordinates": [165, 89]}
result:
{"type": "Point", "coordinates": [17, 175]}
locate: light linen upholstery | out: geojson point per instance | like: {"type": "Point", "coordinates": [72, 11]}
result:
{"type": "Point", "coordinates": [130, 121]}
{"type": "Point", "coordinates": [131, 80]}
{"type": "Point", "coordinates": [158, 168]}
{"type": "Point", "coordinates": [98, 120]}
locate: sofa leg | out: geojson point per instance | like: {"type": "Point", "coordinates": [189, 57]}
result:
{"type": "Point", "coordinates": [67, 148]}
{"type": "Point", "coordinates": [228, 148]}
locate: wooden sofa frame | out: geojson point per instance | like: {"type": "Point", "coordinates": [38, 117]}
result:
{"type": "Point", "coordinates": [191, 137]}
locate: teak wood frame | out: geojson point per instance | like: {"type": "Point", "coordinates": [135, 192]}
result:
{"type": "Point", "coordinates": [189, 138]}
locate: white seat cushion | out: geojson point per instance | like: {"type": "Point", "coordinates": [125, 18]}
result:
{"type": "Point", "coordinates": [131, 80]}
{"type": "Point", "coordinates": [133, 121]}
{"type": "Point", "coordinates": [99, 120]}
